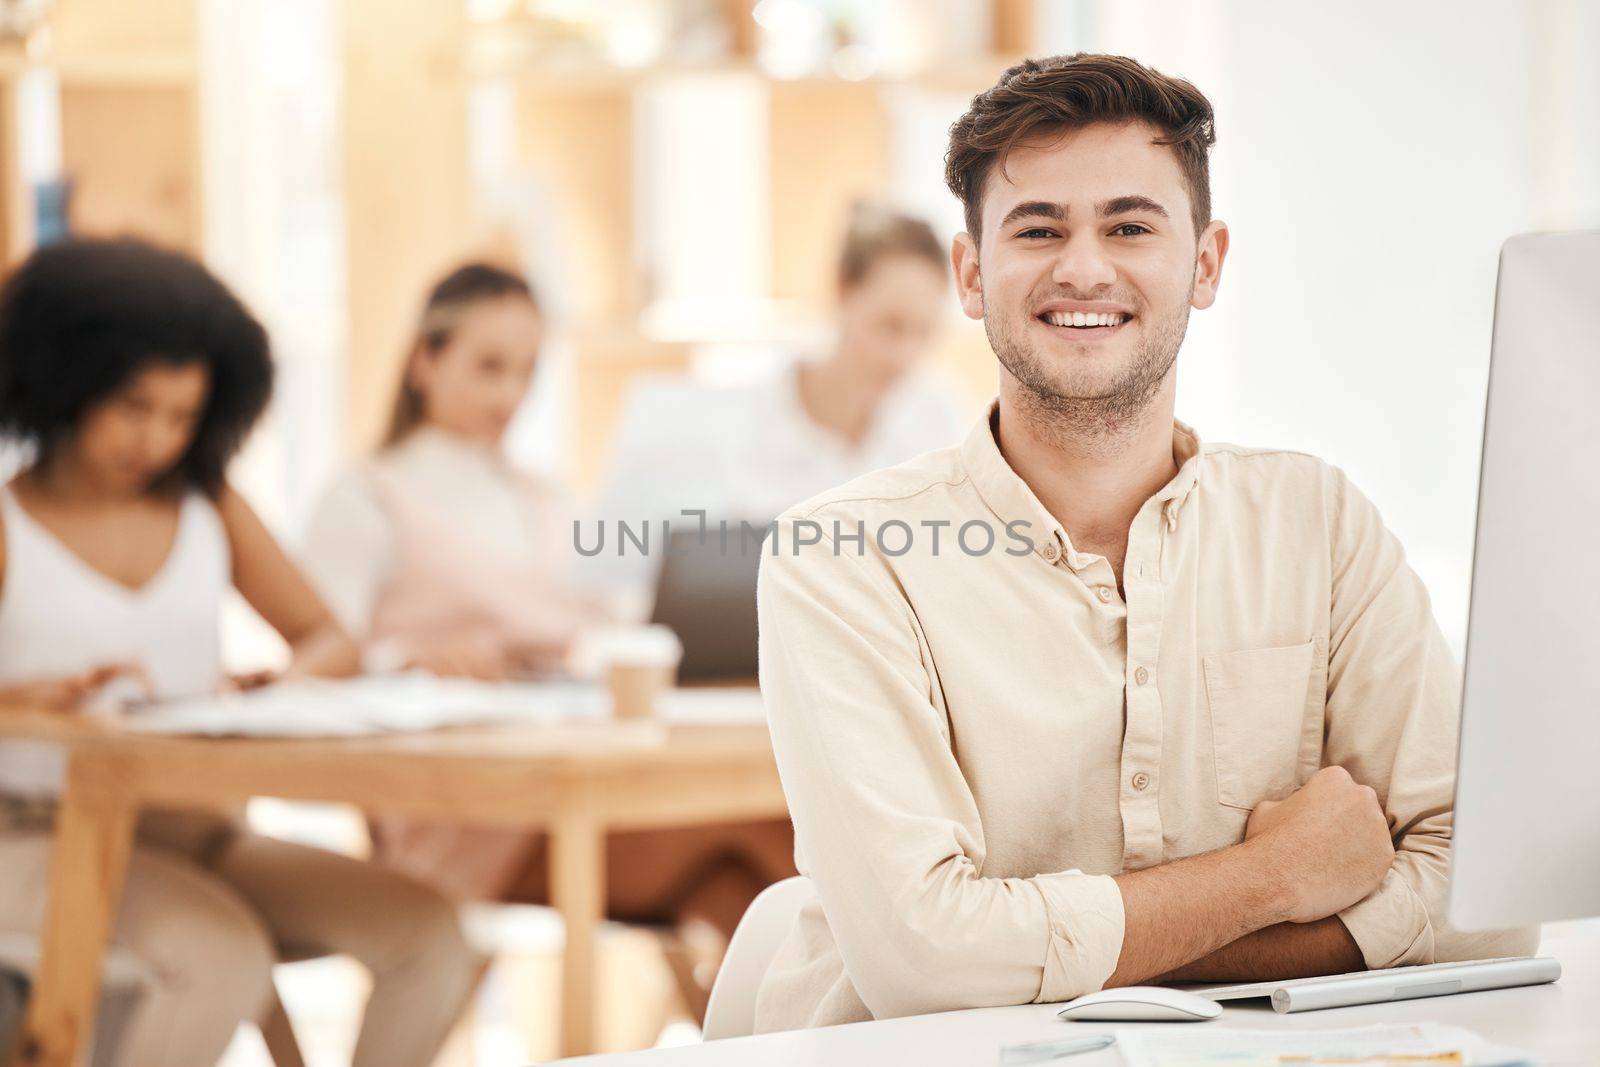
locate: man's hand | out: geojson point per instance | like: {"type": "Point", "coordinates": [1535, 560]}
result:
{"type": "Point", "coordinates": [1261, 818]}
{"type": "Point", "coordinates": [1305, 859]}
{"type": "Point", "coordinates": [1332, 840]}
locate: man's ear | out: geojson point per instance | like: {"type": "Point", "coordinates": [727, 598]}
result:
{"type": "Point", "coordinates": [1208, 265]}
{"type": "Point", "coordinates": [969, 283]}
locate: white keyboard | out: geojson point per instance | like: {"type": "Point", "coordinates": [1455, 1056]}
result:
{"type": "Point", "coordinates": [1394, 983]}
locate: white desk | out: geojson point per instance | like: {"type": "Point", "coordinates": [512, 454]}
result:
{"type": "Point", "coordinates": [1559, 1024]}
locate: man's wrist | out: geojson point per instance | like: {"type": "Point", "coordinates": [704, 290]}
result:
{"type": "Point", "coordinates": [1269, 886]}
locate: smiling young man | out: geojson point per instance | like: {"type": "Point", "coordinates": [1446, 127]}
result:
{"type": "Point", "coordinates": [1082, 701]}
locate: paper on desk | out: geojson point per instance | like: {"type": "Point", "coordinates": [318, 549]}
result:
{"type": "Point", "coordinates": [372, 705]}
{"type": "Point", "coordinates": [1418, 1045]}
{"type": "Point", "coordinates": [711, 706]}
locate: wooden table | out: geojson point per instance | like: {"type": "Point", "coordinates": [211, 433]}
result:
{"type": "Point", "coordinates": [577, 782]}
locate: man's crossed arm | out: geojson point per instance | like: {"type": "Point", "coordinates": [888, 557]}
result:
{"type": "Point", "coordinates": [1267, 907]}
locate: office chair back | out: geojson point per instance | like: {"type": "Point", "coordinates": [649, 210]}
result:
{"type": "Point", "coordinates": [731, 1011]}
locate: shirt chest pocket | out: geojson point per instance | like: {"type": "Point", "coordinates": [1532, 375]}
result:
{"type": "Point", "coordinates": [1260, 722]}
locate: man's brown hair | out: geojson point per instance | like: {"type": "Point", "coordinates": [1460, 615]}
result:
{"type": "Point", "coordinates": [1038, 97]}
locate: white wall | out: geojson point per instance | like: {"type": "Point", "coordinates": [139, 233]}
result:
{"type": "Point", "coordinates": [1371, 158]}
{"type": "Point", "coordinates": [273, 231]}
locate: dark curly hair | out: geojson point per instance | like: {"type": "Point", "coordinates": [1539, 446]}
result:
{"type": "Point", "coordinates": [1039, 96]}
{"type": "Point", "coordinates": [78, 319]}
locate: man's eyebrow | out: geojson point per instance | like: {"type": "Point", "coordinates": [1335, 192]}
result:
{"type": "Point", "coordinates": [1117, 205]}
{"type": "Point", "coordinates": [1125, 205]}
{"type": "Point", "coordinates": [1035, 209]}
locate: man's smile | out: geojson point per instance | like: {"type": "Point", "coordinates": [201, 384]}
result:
{"type": "Point", "coordinates": [1086, 320]}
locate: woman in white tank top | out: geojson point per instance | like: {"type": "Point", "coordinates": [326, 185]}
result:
{"type": "Point", "coordinates": [133, 375]}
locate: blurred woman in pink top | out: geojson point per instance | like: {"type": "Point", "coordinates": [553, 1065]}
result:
{"type": "Point", "coordinates": [438, 554]}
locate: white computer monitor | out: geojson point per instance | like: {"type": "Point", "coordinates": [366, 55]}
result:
{"type": "Point", "coordinates": [1527, 829]}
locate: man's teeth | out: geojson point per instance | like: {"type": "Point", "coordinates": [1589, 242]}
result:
{"type": "Point", "coordinates": [1084, 318]}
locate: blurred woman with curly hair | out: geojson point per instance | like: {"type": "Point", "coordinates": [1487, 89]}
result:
{"type": "Point", "coordinates": [130, 376]}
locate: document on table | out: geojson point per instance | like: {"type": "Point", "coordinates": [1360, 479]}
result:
{"type": "Point", "coordinates": [1419, 1045]}
{"type": "Point", "coordinates": [357, 707]}
{"type": "Point", "coordinates": [373, 705]}
{"type": "Point", "coordinates": [711, 706]}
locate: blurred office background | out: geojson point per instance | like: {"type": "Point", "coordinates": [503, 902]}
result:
{"type": "Point", "coordinates": [675, 175]}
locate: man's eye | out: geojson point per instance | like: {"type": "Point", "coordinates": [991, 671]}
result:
{"type": "Point", "coordinates": [1130, 229]}
{"type": "Point", "coordinates": [1036, 231]}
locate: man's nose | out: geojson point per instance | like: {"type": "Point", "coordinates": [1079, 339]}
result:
{"type": "Point", "coordinates": [1083, 264]}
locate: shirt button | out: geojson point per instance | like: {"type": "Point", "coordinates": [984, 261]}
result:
{"type": "Point", "coordinates": [1141, 781]}
{"type": "Point", "coordinates": [1050, 551]}
{"type": "Point", "coordinates": [1141, 676]}
{"type": "Point", "coordinates": [1104, 593]}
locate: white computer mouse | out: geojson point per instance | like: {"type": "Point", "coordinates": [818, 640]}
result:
{"type": "Point", "coordinates": [1141, 1003]}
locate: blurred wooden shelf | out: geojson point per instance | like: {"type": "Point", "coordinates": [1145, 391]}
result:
{"type": "Point", "coordinates": [556, 74]}
{"type": "Point", "coordinates": [152, 70]}
{"type": "Point", "coordinates": [106, 70]}
{"type": "Point", "coordinates": [128, 78]}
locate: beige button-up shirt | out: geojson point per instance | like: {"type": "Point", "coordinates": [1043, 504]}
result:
{"type": "Point", "coordinates": [973, 741]}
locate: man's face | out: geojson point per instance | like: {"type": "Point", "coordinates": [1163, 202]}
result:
{"type": "Point", "coordinates": [1089, 226]}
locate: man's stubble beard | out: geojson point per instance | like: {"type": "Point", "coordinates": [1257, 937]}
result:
{"type": "Point", "coordinates": [1061, 404]}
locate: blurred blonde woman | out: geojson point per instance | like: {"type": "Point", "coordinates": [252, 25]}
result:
{"type": "Point", "coordinates": [865, 401]}
{"type": "Point", "coordinates": [439, 554]}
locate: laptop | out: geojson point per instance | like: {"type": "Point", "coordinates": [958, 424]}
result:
{"type": "Point", "coordinates": [706, 594]}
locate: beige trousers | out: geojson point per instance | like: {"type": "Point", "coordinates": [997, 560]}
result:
{"type": "Point", "coordinates": [209, 922]}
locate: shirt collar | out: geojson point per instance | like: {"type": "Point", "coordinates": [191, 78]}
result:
{"type": "Point", "coordinates": [1012, 500]}
{"type": "Point", "coordinates": [1187, 453]}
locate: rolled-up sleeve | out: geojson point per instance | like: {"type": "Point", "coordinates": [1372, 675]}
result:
{"type": "Point", "coordinates": [885, 822]}
{"type": "Point", "coordinates": [1393, 707]}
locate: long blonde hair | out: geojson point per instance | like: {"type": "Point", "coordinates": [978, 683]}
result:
{"type": "Point", "coordinates": [454, 295]}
